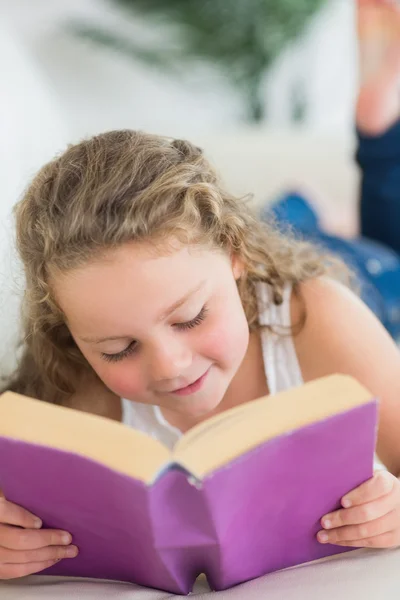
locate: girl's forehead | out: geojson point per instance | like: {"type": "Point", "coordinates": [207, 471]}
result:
{"type": "Point", "coordinates": [137, 290]}
{"type": "Point", "coordinates": [144, 255]}
{"type": "Point", "coordinates": [132, 268]}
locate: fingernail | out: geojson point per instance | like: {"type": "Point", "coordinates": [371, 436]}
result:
{"type": "Point", "coordinates": [326, 523]}
{"type": "Point", "coordinates": [346, 503]}
{"type": "Point", "coordinates": [322, 537]}
{"type": "Point", "coordinates": [71, 552]}
{"type": "Point", "coordinates": [37, 523]}
{"type": "Point", "coordinates": [66, 538]}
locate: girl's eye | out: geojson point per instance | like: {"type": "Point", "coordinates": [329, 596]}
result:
{"type": "Point", "coordinates": [194, 322]}
{"type": "Point", "coordinates": [132, 348]}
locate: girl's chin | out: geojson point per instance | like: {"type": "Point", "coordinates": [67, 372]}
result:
{"type": "Point", "coordinates": [197, 410]}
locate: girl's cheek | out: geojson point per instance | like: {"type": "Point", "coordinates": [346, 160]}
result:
{"type": "Point", "coordinates": [215, 343]}
{"type": "Point", "coordinates": [227, 341]}
{"type": "Point", "coordinates": [124, 380]}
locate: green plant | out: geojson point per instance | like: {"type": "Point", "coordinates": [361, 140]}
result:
{"type": "Point", "coordinates": [241, 37]}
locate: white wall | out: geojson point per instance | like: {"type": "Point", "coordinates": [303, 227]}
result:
{"type": "Point", "coordinates": [99, 90]}
{"type": "Point", "coordinates": [325, 62]}
{"type": "Point", "coordinates": [31, 131]}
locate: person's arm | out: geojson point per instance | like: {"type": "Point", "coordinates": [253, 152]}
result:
{"type": "Point", "coordinates": [377, 116]}
{"type": "Point", "coordinates": [379, 160]}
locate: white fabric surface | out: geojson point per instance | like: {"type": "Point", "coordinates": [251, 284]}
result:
{"type": "Point", "coordinates": [366, 574]}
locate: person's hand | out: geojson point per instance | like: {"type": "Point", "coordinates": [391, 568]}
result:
{"type": "Point", "coordinates": [370, 517]}
{"type": "Point", "coordinates": [24, 547]}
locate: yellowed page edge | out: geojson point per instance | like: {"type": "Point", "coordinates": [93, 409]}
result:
{"type": "Point", "coordinates": [244, 428]}
{"type": "Point", "coordinates": [108, 442]}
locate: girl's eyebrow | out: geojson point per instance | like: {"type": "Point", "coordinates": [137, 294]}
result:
{"type": "Point", "coordinates": [164, 315]}
{"type": "Point", "coordinates": [179, 303]}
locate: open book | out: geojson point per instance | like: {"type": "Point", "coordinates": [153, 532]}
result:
{"type": "Point", "coordinates": [240, 496]}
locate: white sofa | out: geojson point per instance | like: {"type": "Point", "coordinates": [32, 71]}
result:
{"type": "Point", "coordinates": [266, 162]}
{"type": "Point", "coordinates": [366, 574]}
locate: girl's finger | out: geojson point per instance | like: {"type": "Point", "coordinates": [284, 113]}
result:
{"type": "Point", "coordinates": [379, 485]}
{"type": "Point", "coordinates": [41, 555]}
{"type": "Point", "coordinates": [12, 514]}
{"type": "Point", "coordinates": [13, 571]}
{"type": "Point", "coordinates": [390, 539]}
{"type": "Point", "coordinates": [30, 539]}
{"type": "Point", "coordinates": [361, 514]}
{"type": "Point", "coordinates": [365, 530]}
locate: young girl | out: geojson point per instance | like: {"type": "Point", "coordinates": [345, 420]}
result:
{"type": "Point", "coordinates": [147, 282]}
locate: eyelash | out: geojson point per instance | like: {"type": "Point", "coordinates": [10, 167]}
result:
{"type": "Point", "coordinates": [131, 349]}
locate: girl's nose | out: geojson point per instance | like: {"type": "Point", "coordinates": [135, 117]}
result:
{"type": "Point", "coordinates": [170, 361]}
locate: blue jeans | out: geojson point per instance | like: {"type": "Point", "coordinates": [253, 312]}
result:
{"type": "Point", "coordinates": [379, 159]}
{"type": "Point", "coordinates": [374, 256]}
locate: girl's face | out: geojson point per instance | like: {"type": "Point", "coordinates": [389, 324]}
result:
{"type": "Point", "coordinates": [168, 330]}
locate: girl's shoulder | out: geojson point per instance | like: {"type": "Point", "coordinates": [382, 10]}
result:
{"type": "Point", "coordinates": [334, 321]}
{"type": "Point", "coordinates": [342, 335]}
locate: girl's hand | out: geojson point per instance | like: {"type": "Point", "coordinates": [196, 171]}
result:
{"type": "Point", "coordinates": [24, 548]}
{"type": "Point", "coordinates": [370, 517]}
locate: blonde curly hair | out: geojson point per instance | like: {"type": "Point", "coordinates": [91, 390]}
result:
{"type": "Point", "coordinates": [124, 186]}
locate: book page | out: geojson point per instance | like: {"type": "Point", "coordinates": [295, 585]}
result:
{"type": "Point", "coordinates": [108, 442]}
{"type": "Point", "coordinates": [219, 440]}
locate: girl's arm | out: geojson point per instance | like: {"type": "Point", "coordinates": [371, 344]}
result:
{"type": "Point", "coordinates": [341, 335]}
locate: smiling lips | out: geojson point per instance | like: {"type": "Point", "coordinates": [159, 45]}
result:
{"type": "Point", "coordinates": [193, 387]}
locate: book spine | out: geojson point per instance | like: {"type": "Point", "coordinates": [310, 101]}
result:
{"type": "Point", "coordinates": [184, 533]}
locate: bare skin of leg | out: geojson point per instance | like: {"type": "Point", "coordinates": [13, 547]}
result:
{"type": "Point", "coordinates": [378, 103]}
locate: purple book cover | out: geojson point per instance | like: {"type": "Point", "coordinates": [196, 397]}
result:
{"type": "Point", "coordinates": [255, 515]}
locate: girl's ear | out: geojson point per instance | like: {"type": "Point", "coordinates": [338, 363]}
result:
{"type": "Point", "coordinates": [237, 266]}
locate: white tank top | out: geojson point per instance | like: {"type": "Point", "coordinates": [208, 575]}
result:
{"type": "Point", "coordinates": [282, 369]}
